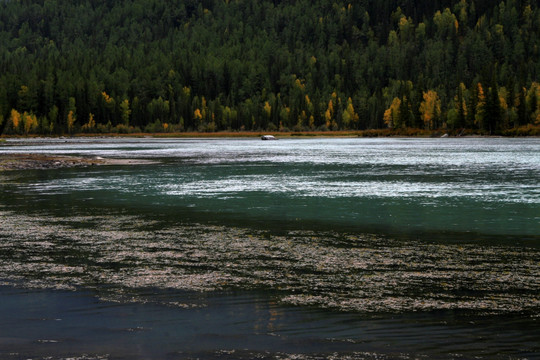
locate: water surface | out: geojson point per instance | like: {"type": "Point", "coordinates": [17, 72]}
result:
{"type": "Point", "coordinates": [366, 248]}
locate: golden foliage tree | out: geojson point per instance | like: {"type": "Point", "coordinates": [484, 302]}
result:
{"type": "Point", "coordinates": [71, 118]}
{"type": "Point", "coordinates": [330, 120]}
{"type": "Point", "coordinates": [30, 123]}
{"type": "Point", "coordinates": [108, 99]}
{"type": "Point", "coordinates": [391, 115]}
{"type": "Point", "coordinates": [430, 109]}
{"type": "Point", "coordinates": [480, 106]}
{"type": "Point", "coordinates": [329, 114]}
{"type": "Point", "coordinates": [15, 119]}
{"type": "Point", "coordinates": [350, 117]}
{"type": "Point", "coordinates": [90, 125]}
{"type": "Point", "coordinates": [197, 115]}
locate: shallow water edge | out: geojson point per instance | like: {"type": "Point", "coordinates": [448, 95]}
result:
{"type": "Point", "coordinates": [241, 325]}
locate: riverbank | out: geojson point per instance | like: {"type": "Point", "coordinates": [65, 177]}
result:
{"type": "Point", "coordinates": [523, 131]}
{"type": "Point", "coordinates": [38, 161]}
{"type": "Point", "coordinates": [197, 134]}
{"type": "Point", "coordinates": [41, 161]}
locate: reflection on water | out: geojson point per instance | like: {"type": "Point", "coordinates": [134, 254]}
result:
{"type": "Point", "coordinates": [295, 248]}
{"type": "Point", "coordinates": [240, 326]}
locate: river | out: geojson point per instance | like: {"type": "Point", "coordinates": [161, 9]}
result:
{"type": "Point", "coordinates": [301, 248]}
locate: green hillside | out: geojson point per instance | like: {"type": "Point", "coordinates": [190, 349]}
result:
{"type": "Point", "coordinates": [211, 65]}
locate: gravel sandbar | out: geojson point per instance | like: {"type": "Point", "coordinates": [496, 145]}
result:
{"type": "Point", "coordinates": [42, 161]}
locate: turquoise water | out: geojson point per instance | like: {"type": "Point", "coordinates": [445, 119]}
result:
{"type": "Point", "coordinates": [440, 237]}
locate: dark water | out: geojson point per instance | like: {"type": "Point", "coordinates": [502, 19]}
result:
{"type": "Point", "coordinates": [306, 248]}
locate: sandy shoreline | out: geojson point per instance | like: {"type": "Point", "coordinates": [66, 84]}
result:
{"type": "Point", "coordinates": [43, 161]}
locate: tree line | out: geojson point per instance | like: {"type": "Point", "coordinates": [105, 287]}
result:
{"type": "Point", "coordinates": [212, 65]}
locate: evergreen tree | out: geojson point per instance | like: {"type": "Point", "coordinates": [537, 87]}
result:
{"type": "Point", "coordinates": [216, 65]}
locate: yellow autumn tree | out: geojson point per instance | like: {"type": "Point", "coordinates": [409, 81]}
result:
{"type": "Point", "coordinates": [15, 119]}
{"type": "Point", "coordinates": [30, 122]}
{"type": "Point", "coordinates": [391, 114]}
{"type": "Point", "coordinates": [197, 115]}
{"type": "Point", "coordinates": [349, 116]}
{"type": "Point", "coordinates": [90, 125]}
{"type": "Point", "coordinates": [460, 100]}
{"type": "Point", "coordinates": [200, 115]}
{"type": "Point", "coordinates": [503, 95]}
{"type": "Point", "coordinates": [311, 122]}
{"type": "Point", "coordinates": [204, 109]}
{"type": "Point", "coordinates": [300, 84]}
{"type": "Point", "coordinates": [309, 105]}
{"type": "Point", "coordinates": [430, 109]}
{"type": "Point", "coordinates": [329, 113]}
{"type": "Point", "coordinates": [406, 28]}
{"type": "Point", "coordinates": [106, 97]}
{"type": "Point", "coordinates": [480, 105]}
{"type": "Point", "coordinates": [71, 118]}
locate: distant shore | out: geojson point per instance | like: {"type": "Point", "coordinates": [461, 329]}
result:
{"type": "Point", "coordinates": [402, 132]}
{"type": "Point", "coordinates": [199, 134]}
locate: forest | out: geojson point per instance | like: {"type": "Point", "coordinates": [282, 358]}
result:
{"type": "Point", "coordinates": [131, 66]}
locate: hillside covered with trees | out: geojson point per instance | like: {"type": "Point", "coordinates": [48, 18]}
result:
{"type": "Point", "coordinates": [86, 66]}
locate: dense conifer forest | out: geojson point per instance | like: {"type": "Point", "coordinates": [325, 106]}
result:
{"type": "Point", "coordinates": [127, 66]}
